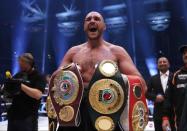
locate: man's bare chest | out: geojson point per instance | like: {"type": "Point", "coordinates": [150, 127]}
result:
{"type": "Point", "coordinates": [88, 60]}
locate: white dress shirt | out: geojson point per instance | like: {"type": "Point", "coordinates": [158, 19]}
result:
{"type": "Point", "coordinates": [164, 79]}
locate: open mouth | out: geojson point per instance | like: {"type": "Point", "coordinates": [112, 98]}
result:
{"type": "Point", "coordinates": [93, 29]}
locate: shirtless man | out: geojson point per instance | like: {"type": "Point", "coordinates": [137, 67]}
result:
{"type": "Point", "coordinates": [96, 49]}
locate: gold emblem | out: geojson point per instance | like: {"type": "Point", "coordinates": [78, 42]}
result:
{"type": "Point", "coordinates": [50, 109]}
{"type": "Point", "coordinates": [137, 91]}
{"type": "Point", "coordinates": [106, 96]}
{"type": "Point", "coordinates": [66, 87]}
{"type": "Point", "coordinates": [108, 68]}
{"type": "Point", "coordinates": [66, 113]}
{"type": "Point", "coordinates": [104, 123]}
{"type": "Point", "coordinates": [139, 116]}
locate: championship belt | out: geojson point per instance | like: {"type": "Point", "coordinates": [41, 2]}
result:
{"type": "Point", "coordinates": [52, 117]}
{"type": "Point", "coordinates": [66, 90]}
{"type": "Point", "coordinates": [135, 114]}
{"type": "Point", "coordinates": [107, 96]}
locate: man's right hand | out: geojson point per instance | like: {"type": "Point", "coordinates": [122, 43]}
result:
{"type": "Point", "coordinates": [165, 123]}
{"type": "Point", "coordinates": [159, 98]}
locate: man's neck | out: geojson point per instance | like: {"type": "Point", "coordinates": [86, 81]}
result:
{"type": "Point", "coordinates": [95, 43]}
{"type": "Point", "coordinates": [163, 71]}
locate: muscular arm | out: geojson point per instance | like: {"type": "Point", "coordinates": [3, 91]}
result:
{"type": "Point", "coordinates": [68, 58]}
{"type": "Point", "coordinates": [127, 66]}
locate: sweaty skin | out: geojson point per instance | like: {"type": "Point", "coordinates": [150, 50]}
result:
{"type": "Point", "coordinates": [96, 49]}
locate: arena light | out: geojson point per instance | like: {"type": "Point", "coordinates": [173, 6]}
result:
{"type": "Point", "coordinates": [115, 18]}
{"type": "Point", "coordinates": [32, 12]}
{"type": "Point", "coordinates": [159, 21]}
{"type": "Point", "coordinates": [68, 21]}
{"type": "Point", "coordinates": [116, 24]}
{"type": "Point", "coordinates": [45, 36]}
{"type": "Point", "coordinates": [154, 1]}
{"type": "Point", "coordinates": [31, 19]}
{"type": "Point", "coordinates": [68, 28]}
{"type": "Point", "coordinates": [113, 10]}
{"type": "Point", "coordinates": [151, 65]}
{"type": "Point", "coordinates": [18, 45]}
{"type": "Point", "coordinates": [33, 15]}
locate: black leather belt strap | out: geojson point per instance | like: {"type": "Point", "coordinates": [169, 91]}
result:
{"type": "Point", "coordinates": [112, 86]}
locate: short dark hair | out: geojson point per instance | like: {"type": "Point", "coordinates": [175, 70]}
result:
{"type": "Point", "coordinates": [182, 48]}
{"type": "Point", "coordinates": [27, 57]}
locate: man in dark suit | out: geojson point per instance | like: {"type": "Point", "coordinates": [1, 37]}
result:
{"type": "Point", "coordinates": [157, 87]}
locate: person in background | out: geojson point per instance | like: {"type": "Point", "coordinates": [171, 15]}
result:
{"type": "Point", "coordinates": [183, 123]}
{"type": "Point", "coordinates": [157, 86]}
{"type": "Point", "coordinates": [175, 96]}
{"type": "Point", "coordinates": [23, 113]}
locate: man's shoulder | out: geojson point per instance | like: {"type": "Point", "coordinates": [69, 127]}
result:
{"type": "Point", "coordinates": [37, 76]}
{"type": "Point", "coordinates": [75, 49]}
{"type": "Point", "coordinates": [175, 75]}
{"type": "Point", "coordinates": [177, 72]}
{"type": "Point", "coordinates": [116, 48]}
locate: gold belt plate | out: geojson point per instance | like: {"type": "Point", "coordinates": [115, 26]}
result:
{"type": "Point", "coordinates": [50, 109]}
{"type": "Point", "coordinates": [106, 96]}
{"type": "Point", "coordinates": [104, 123]}
{"type": "Point", "coordinates": [66, 113]}
{"type": "Point", "coordinates": [108, 68]}
{"type": "Point", "coordinates": [139, 116]}
{"type": "Point", "coordinates": [66, 87]}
